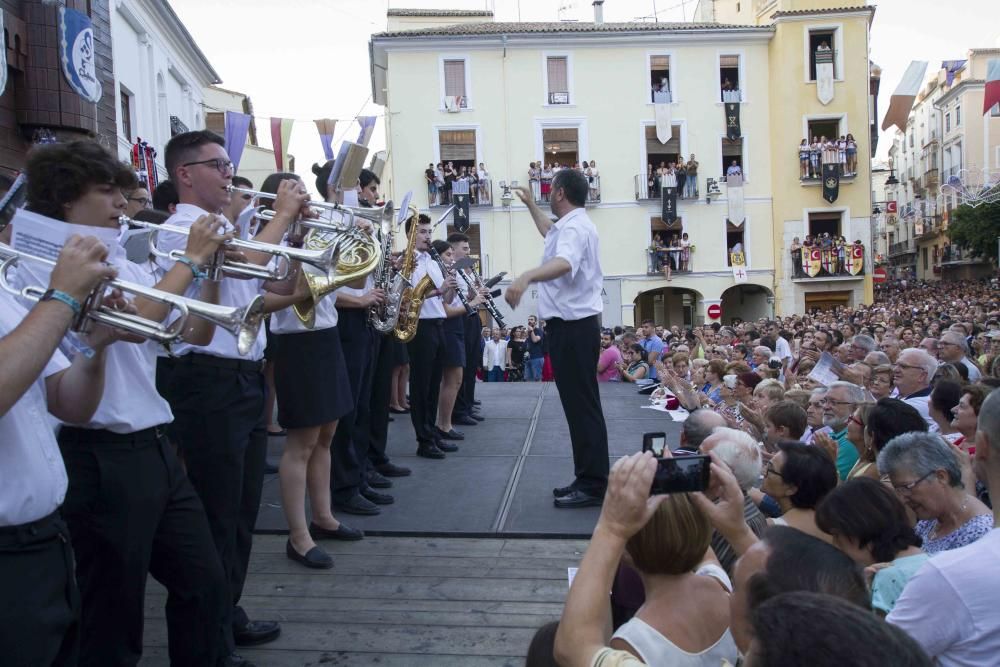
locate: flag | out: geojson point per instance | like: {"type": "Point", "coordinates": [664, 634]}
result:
{"type": "Point", "coordinates": [951, 68]}
{"type": "Point", "coordinates": [669, 205]}
{"type": "Point", "coordinates": [733, 131]}
{"type": "Point", "coordinates": [901, 102]}
{"type": "Point", "coordinates": [734, 195]}
{"type": "Point", "coordinates": [326, 127]}
{"type": "Point", "coordinates": [664, 130]}
{"type": "Point", "coordinates": [281, 132]}
{"type": "Point", "coordinates": [237, 128]}
{"type": "Point", "coordinates": [367, 124]}
{"type": "Point", "coordinates": [831, 181]}
{"type": "Point", "coordinates": [991, 94]}
{"type": "Point", "coordinates": [77, 54]}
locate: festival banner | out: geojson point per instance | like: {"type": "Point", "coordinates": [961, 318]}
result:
{"type": "Point", "coordinates": [831, 181]}
{"type": "Point", "coordinates": [664, 131]}
{"type": "Point", "coordinates": [734, 195]}
{"type": "Point", "coordinates": [901, 102]}
{"type": "Point", "coordinates": [281, 133]}
{"type": "Point", "coordinates": [733, 131]}
{"type": "Point", "coordinates": [237, 129]}
{"type": "Point", "coordinates": [856, 261]}
{"type": "Point", "coordinates": [824, 74]}
{"type": "Point", "coordinates": [669, 212]}
{"type": "Point", "coordinates": [740, 268]}
{"type": "Point", "coordinates": [367, 124]}
{"type": "Point", "coordinates": [951, 68]}
{"type": "Point", "coordinates": [812, 261]}
{"type": "Point", "coordinates": [326, 126]}
{"type": "Point", "coordinates": [76, 52]}
{"type": "Point", "coordinates": [991, 94]}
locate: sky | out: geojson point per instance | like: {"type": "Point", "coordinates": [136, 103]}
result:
{"type": "Point", "coordinates": [308, 59]}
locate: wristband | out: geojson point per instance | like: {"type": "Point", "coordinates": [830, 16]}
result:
{"type": "Point", "coordinates": [198, 273]}
{"type": "Point", "coordinates": [62, 297]}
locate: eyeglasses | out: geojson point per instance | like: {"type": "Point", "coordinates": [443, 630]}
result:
{"type": "Point", "coordinates": [944, 342]}
{"type": "Point", "coordinates": [223, 166]}
{"type": "Point", "coordinates": [907, 489]}
{"type": "Point", "coordinates": [856, 421]}
{"type": "Point", "coordinates": [143, 201]}
{"type": "Point", "coordinates": [879, 380]}
{"type": "Point", "coordinates": [769, 470]}
{"type": "Point", "coordinates": [831, 401]}
{"type": "Point", "coordinates": [899, 365]}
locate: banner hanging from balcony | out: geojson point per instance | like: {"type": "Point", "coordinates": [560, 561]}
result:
{"type": "Point", "coordinates": [669, 212]}
{"type": "Point", "coordinates": [824, 73]}
{"type": "Point", "coordinates": [733, 131]}
{"type": "Point", "coordinates": [664, 131]}
{"type": "Point", "coordinates": [831, 181]}
{"type": "Point", "coordinates": [856, 261]}
{"type": "Point", "coordinates": [3, 60]}
{"type": "Point", "coordinates": [991, 94]}
{"type": "Point", "coordinates": [76, 51]}
{"type": "Point", "coordinates": [812, 261]}
{"type": "Point", "coordinates": [734, 195]}
{"type": "Point", "coordinates": [460, 200]}
{"type": "Point", "coordinates": [740, 268]}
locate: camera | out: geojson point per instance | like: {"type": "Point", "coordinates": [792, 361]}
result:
{"type": "Point", "coordinates": [684, 474]}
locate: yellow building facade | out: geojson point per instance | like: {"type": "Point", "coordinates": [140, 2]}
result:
{"type": "Point", "coordinates": [459, 87]}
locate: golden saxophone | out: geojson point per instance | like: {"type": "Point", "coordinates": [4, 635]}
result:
{"type": "Point", "coordinates": [413, 295]}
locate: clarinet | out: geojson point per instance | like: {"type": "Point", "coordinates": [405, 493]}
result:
{"type": "Point", "coordinates": [488, 304]}
{"type": "Point", "coordinates": [444, 272]}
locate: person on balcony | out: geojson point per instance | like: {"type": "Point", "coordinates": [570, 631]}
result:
{"type": "Point", "coordinates": [804, 160]}
{"type": "Point", "coordinates": [815, 155]}
{"type": "Point", "coordinates": [483, 176]}
{"type": "Point", "coordinates": [685, 244]}
{"type": "Point", "coordinates": [595, 181]}
{"type": "Point", "coordinates": [691, 184]}
{"type": "Point", "coordinates": [734, 169]}
{"type": "Point", "coordinates": [842, 154]}
{"type": "Point", "coordinates": [651, 179]}
{"type": "Point", "coordinates": [797, 254]}
{"type": "Point", "coordinates": [432, 190]}
{"type": "Point", "coordinates": [681, 174]}
{"type": "Point", "coordinates": [534, 174]}
{"type": "Point", "coordinates": [547, 175]}
{"type": "Point", "coordinates": [852, 155]}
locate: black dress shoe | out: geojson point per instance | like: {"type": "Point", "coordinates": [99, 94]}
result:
{"type": "Point", "coordinates": [371, 495]}
{"type": "Point", "coordinates": [392, 470]}
{"type": "Point", "coordinates": [398, 412]}
{"type": "Point", "coordinates": [561, 491]}
{"type": "Point", "coordinates": [255, 633]}
{"type": "Point", "coordinates": [476, 417]}
{"type": "Point", "coordinates": [344, 533]}
{"type": "Point", "coordinates": [578, 498]}
{"type": "Point", "coordinates": [446, 446]}
{"type": "Point", "coordinates": [315, 558]}
{"type": "Point", "coordinates": [430, 452]}
{"type": "Point", "coordinates": [234, 660]}
{"type": "Point", "coordinates": [376, 480]}
{"type": "Point", "coordinates": [477, 402]}
{"type": "Point", "coordinates": [464, 421]}
{"type": "Point", "coordinates": [449, 435]}
{"type": "Point", "coordinates": [359, 506]}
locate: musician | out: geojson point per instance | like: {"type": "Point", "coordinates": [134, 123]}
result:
{"type": "Point", "coordinates": [427, 349]}
{"type": "Point", "coordinates": [569, 287]}
{"type": "Point", "coordinates": [131, 510]}
{"type": "Point", "coordinates": [464, 412]}
{"type": "Point", "coordinates": [240, 200]}
{"type": "Point", "coordinates": [217, 395]}
{"type": "Point", "coordinates": [39, 602]}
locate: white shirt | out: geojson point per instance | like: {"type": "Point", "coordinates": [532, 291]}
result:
{"type": "Point", "coordinates": [950, 605]}
{"type": "Point", "coordinates": [433, 307]}
{"type": "Point", "coordinates": [782, 349]}
{"type": "Point", "coordinates": [232, 292]}
{"type": "Point", "coordinates": [495, 353]}
{"type": "Point", "coordinates": [32, 475]}
{"type": "Point", "coordinates": [576, 294]}
{"type": "Point", "coordinates": [974, 374]}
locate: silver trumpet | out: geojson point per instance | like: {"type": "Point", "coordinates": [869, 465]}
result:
{"type": "Point", "coordinates": [323, 260]}
{"type": "Point", "coordinates": [242, 322]}
{"type": "Point", "coordinates": [377, 216]}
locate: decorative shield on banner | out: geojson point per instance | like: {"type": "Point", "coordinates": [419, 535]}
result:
{"type": "Point", "coordinates": [856, 262]}
{"type": "Point", "coordinates": [812, 262]}
{"type": "Point", "coordinates": [76, 51]}
{"type": "Point", "coordinates": [733, 121]}
{"type": "Point", "coordinates": [831, 182]}
{"type": "Point", "coordinates": [739, 262]}
{"type": "Point", "coordinates": [824, 74]}
{"type": "Point", "coordinates": [669, 212]}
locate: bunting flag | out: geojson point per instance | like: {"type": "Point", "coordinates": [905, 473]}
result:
{"type": "Point", "coordinates": [951, 68]}
{"type": "Point", "coordinates": [901, 102]}
{"type": "Point", "coordinates": [367, 124]}
{"type": "Point", "coordinates": [991, 94]}
{"type": "Point", "coordinates": [734, 195]}
{"type": "Point", "coordinates": [663, 129]}
{"type": "Point", "coordinates": [733, 131]}
{"type": "Point", "coordinates": [824, 74]}
{"type": "Point", "coordinates": [326, 127]}
{"type": "Point", "coordinates": [669, 212]}
{"type": "Point", "coordinates": [831, 181]}
{"type": "Point", "coordinates": [281, 132]}
{"type": "Point", "coordinates": [237, 129]}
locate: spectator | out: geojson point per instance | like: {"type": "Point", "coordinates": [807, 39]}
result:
{"type": "Point", "coordinates": [495, 357]}
{"type": "Point", "coordinates": [766, 394]}
{"type": "Point", "coordinates": [838, 405]}
{"type": "Point", "coordinates": [712, 388]}
{"type": "Point", "coordinates": [798, 478]}
{"type": "Point", "coordinates": [696, 429]}
{"type": "Point", "coordinates": [912, 374]}
{"type": "Point", "coordinates": [784, 421]}
{"type": "Point", "coordinates": [633, 367]}
{"type": "Point", "coordinates": [610, 358]}
{"type": "Point", "coordinates": [954, 349]}
{"type": "Point", "coordinates": [943, 400]}
{"type": "Point", "coordinates": [536, 351]}
{"type": "Point", "coordinates": [880, 383]}
{"type": "Point", "coordinates": [651, 345]}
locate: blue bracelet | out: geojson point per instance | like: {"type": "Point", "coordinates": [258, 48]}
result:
{"type": "Point", "coordinates": [62, 297]}
{"type": "Point", "coordinates": [198, 273]}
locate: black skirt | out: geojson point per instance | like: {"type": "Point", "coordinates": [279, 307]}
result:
{"type": "Point", "coordinates": [310, 378]}
{"type": "Point", "coordinates": [400, 355]}
{"type": "Point", "coordinates": [454, 342]}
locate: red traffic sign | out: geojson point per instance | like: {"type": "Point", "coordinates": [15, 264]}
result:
{"type": "Point", "coordinates": [715, 311]}
{"type": "Point", "coordinates": [880, 275]}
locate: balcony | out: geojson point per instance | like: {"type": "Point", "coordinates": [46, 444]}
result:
{"type": "Point", "coordinates": [908, 247]}
{"type": "Point", "coordinates": [732, 95]}
{"type": "Point", "coordinates": [955, 254]}
{"type": "Point", "coordinates": [825, 264]}
{"type": "Point", "coordinates": [657, 258]}
{"type": "Point", "coordinates": [543, 187]}
{"type": "Point", "coordinates": [480, 195]}
{"type": "Point", "coordinates": [646, 192]}
{"type": "Point", "coordinates": [930, 178]}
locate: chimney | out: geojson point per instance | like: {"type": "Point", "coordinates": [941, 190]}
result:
{"type": "Point", "coordinates": [599, 12]}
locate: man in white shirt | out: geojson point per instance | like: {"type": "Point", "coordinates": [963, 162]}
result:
{"type": "Point", "coordinates": [495, 357]}
{"type": "Point", "coordinates": [954, 349]}
{"type": "Point", "coordinates": [950, 606]}
{"type": "Point", "coordinates": [569, 287]}
{"type": "Point", "coordinates": [912, 375]}
{"type": "Point", "coordinates": [39, 604]}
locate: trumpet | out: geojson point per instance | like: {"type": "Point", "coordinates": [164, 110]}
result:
{"type": "Point", "coordinates": [378, 216]}
{"type": "Point", "coordinates": [242, 322]}
{"type": "Point", "coordinates": [322, 260]}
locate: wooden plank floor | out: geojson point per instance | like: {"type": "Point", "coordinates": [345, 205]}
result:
{"type": "Point", "coordinates": [398, 601]}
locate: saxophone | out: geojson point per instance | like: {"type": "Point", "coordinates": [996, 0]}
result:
{"type": "Point", "coordinates": [383, 317]}
{"type": "Point", "coordinates": [412, 296]}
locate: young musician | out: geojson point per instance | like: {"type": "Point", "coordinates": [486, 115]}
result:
{"type": "Point", "coordinates": [39, 602]}
{"type": "Point", "coordinates": [569, 287]}
{"type": "Point", "coordinates": [131, 510]}
{"type": "Point", "coordinates": [464, 410]}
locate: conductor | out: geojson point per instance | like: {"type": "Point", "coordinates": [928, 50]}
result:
{"type": "Point", "coordinates": [569, 300]}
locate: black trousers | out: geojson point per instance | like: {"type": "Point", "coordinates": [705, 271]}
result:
{"type": "Point", "coordinates": [426, 355]}
{"type": "Point", "coordinates": [574, 347]}
{"type": "Point", "coordinates": [473, 360]}
{"type": "Point", "coordinates": [378, 405]}
{"type": "Point", "coordinates": [132, 512]}
{"type": "Point", "coordinates": [349, 449]}
{"type": "Point", "coordinates": [39, 603]}
{"type": "Point", "coordinates": [218, 407]}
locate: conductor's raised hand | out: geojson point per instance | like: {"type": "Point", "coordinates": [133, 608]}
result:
{"type": "Point", "coordinates": [524, 194]}
{"type": "Point", "coordinates": [512, 295]}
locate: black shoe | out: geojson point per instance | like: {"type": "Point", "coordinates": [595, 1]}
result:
{"type": "Point", "coordinates": [449, 435]}
{"type": "Point", "coordinates": [578, 498]}
{"type": "Point", "coordinates": [391, 419]}
{"type": "Point", "coordinates": [371, 495]}
{"type": "Point", "coordinates": [234, 660]}
{"type": "Point", "coordinates": [359, 506]}
{"type": "Point", "coordinates": [270, 469]}
{"type": "Point", "coordinates": [561, 491]}
{"type": "Point", "coordinates": [377, 481]}
{"type": "Point", "coordinates": [392, 470]}
{"type": "Point", "coordinates": [430, 452]}
{"type": "Point", "coordinates": [277, 434]}
{"type": "Point", "coordinates": [477, 402]}
{"type": "Point", "coordinates": [398, 412]}
{"type": "Point", "coordinates": [465, 421]}
{"type": "Point", "coordinates": [315, 558]}
{"type": "Point", "coordinates": [344, 533]}
{"type": "Point", "coordinates": [477, 417]}
{"type": "Point", "coordinates": [255, 633]}
{"type": "Point", "coordinates": [446, 446]}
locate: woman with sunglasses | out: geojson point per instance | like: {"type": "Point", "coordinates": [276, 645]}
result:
{"type": "Point", "coordinates": [798, 478]}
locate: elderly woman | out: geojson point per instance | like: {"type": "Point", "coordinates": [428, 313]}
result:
{"type": "Point", "coordinates": [798, 478]}
{"type": "Point", "coordinates": [944, 398]}
{"type": "Point", "coordinates": [669, 554]}
{"type": "Point", "coordinates": [925, 472]}
{"type": "Point", "coordinates": [682, 365]}
{"type": "Point", "coordinates": [766, 394]}
{"type": "Point", "coordinates": [965, 415]}
{"type": "Point", "coordinates": [869, 523]}
{"type": "Point", "coordinates": [880, 383]}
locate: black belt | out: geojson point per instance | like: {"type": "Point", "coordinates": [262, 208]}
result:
{"type": "Point", "coordinates": [46, 528]}
{"type": "Point", "coordinates": [72, 435]}
{"type": "Point", "coordinates": [431, 321]}
{"type": "Point", "coordinates": [240, 365]}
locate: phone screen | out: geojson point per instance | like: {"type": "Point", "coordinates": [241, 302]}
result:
{"type": "Point", "coordinates": [654, 442]}
{"type": "Point", "coordinates": [683, 474]}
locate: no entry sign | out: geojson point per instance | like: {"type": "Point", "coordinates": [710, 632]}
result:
{"type": "Point", "coordinates": [714, 311]}
{"type": "Point", "coordinates": [879, 275]}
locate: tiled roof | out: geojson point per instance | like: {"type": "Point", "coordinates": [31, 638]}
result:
{"type": "Point", "coordinates": [565, 27]}
{"type": "Point", "coordinates": [439, 12]}
{"type": "Point", "coordinates": [830, 10]}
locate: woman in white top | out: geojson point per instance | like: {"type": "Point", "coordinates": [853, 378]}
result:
{"type": "Point", "coordinates": [669, 553]}
{"type": "Point", "coordinates": [594, 177]}
{"type": "Point", "coordinates": [484, 184]}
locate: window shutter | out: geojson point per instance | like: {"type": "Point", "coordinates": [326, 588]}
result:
{"type": "Point", "coordinates": [729, 62]}
{"type": "Point", "coordinates": [558, 78]}
{"type": "Point", "coordinates": [659, 63]}
{"type": "Point", "coordinates": [216, 122]}
{"type": "Point", "coordinates": [454, 78]}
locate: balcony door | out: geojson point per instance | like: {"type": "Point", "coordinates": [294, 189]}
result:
{"type": "Point", "coordinates": [562, 145]}
{"type": "Point", "coordinates": [458, 147]}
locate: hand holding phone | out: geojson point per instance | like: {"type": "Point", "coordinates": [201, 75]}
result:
{"type": "Point", "coordinates": [684, 474]}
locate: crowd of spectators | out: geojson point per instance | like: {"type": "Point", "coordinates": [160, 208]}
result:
{"type": "Point", "coordinates": [813, 155]}
{"type": "Point", "coordinates": [441, 180]}
{"type": "Point", "coordinates": [681, 174]}
{"type": "Point", "coordinates": [540, 175]}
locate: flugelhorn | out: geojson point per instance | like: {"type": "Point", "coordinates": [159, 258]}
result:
{"type": "Point", "coordinates": [323, 260]}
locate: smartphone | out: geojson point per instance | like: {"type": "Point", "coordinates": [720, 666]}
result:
{"type": "Point", "coordinates": [654, 442]}
{"type": "Point", "coordinates": [682, 474]}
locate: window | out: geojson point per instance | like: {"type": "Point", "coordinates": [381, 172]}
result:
{"type": "Point", "coordinates": [562, 146]}
{"type": "Point", "coordinates": [458, 147]}
{"type": "Point", "coordinates": [126, 112]}
{"type": "Point", "coordinates": [825, 222]}
{"type": "Point", "coordinates": [923, 256]}
{"type": "Point", "coordinates": [735, 241]}
{"type": "Point", "coordinates": [732, 152]}
{"type": "Point", "coordinates": [557, 74]}
{"type": "Point", "coordinates": [825, 127]}
{"type": "Point", "coordinates": [729, 78]}
{"type": "Point", "coordinates": [958, 115]}
{"type": "Point", "coordinates": [658, 154]}
{"type": "Point", "coordinates": [822, 40]}
{"type": "Point", "coordinates": [911, 138]}
{"type": "Point", "coordinates": [995, 111]}
{"type": "Point", "coordinates": [659, 79]}
{"type": "Point", "coordinates": [947, 122]}
{"type": "Point", "coordinates": [454, 82]}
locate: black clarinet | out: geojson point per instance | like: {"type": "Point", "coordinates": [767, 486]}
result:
{"type": "Point", "coordinates": [444, 273]}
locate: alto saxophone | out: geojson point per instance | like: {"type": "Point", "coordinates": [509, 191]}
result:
{"type": "Point", "coordinates": [383, 317]}
{"type": "Point", "coordinates": [412, 297]}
